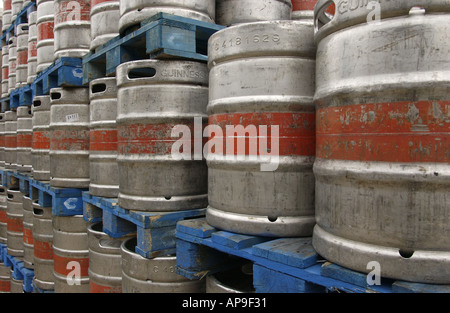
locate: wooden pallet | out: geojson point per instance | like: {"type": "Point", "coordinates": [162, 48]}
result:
{"type": "Point", "coordinates": [162, 36]}
{"type": "Point", "coordinates": [21, 97]}
{"type": "Point", "coordinates": [22, 17]}
{"type": "Point", "coordinates": [19, 271]}
{"type": "Point", "coordinates": [155, 231]}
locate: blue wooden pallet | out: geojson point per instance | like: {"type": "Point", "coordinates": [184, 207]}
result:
{"type": "Point", "coordinates": [5, 104]}
{"type": "Point", "coordinates": [21, 96]}
{"type": "Point", "coordinates": [161, 36]}
{"type": "Point", "coordinates": [281, 265]}
{"type": "Point", "coordinates": [64, 72]}
{"type": "Point", "coordinates": [19, 271]}
{"type": "Point", "coordinates": [155, 231]}
{"type": "Point", "coordinates": [22, 17]}
{"type": "Point", "coordinates": [8, 178]}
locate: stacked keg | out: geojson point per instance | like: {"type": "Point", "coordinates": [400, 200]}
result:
{"type": "Point", "coordinates": [6, 16]}
{"type": "Point", "coordinates": [28, 243]}
{"type": "Point", "coordinates": [40, 149]}
{"type": "Point", "coordinates": [262, 70]}
{"type": "Point", "coordinates": [5, 71]}
{"type": "Point", "coordinates": [152, 177]}
{"type": "Point", "coordinates": [12, 51]}
{"type": "Point", "coordinates": [32, 47]}
{"type": "Point", "coordinates": [382, 167]}
{"type": "Point", "coordinates": [22, 55]}
{"type": "Point", "coordinates": [24, 138]}
{"type": "Point", "coordinates": [45, 23]}
{"type": "Point", "coordinates": [104, 26]}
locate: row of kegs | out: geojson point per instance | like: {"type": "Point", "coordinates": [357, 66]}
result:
{"type": "Point", "coordinates": [333, 125]}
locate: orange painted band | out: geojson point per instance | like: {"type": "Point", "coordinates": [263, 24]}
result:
{"type": "Point", "coordinates": [24, 140]}
{"type": "Point", "coordinates": [14, 225]}
{"type": "Point", "coordinates": [45, 31]}
{"type": "Point", "coordinates": [75, 140]}
{"type": "Point", "coordinates": [28, 236]}
{"type": "Point", "coordinates": [95, 288]}
{"type": "Point", "coordinates": [103, 140]}
{"type": "Point", "coordinates": [61, 263]}
{"type": "Point", "coordinates": [43, 250]}
{"type": "Point", "coordinates": [41, 140]}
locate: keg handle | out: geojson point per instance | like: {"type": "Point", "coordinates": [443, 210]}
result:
{"type": "Point", "coordinates": [136, 71]}
{"type": "Point", "coordinates": [98, 88]}
{"type": "Point", "coordinates": [38, 212]}
{"type": "Point", "coordinates": [320, 18]}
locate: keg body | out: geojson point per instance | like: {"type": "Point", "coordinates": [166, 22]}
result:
{"type": "Point", "coordinates": [5, 71]}
{"type": "Point", "coordinates": [22, 55]}
{"type": "Point", "coordinates": [104, 26]}
{"type": "Point", "coordinates": [69, 145]}
{"type": "Point", "coordinates": [43, 247]}
{"type": "Point", "coordinates": [382, 134]}
{"type": "Point", "coordinates": [2, 139]}
{"type": "Point", "coordinates": [32, 47]}
{"type": "Point", "coordinates": [45, 24]}
{"type": "Point", "coordinates": [40, 151]}
{"type": "Point", "coordinates": [152, 177]}
{"type": "Point", "coordinates": [10, 140]}
{"type": "Point", "coordinates": [72, 28]}
{"type": "Point", "coordinates": [260, 179]}
{"type": "Point", "coordinates": [104, 172]}
{"type": "Point", "coordinates": [28, 245]}
{"type": "Point", "coordinates": [3, 217]}
{"type": "Point", "coordinates": [14, 230]}
{"type": "Point", "coordinates": [12, 77]}
{"type": "Point", "coordinates": [133, 12]}
{"type": "Point", "coordinates": [156, 275]}
{"type": "Point", "coordinates": [24, 138]}
{"type": "Point", "coordinates": [7, 14]}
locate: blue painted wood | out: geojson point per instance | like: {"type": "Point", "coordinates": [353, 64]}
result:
{"type": "Point", "coordinates": [267, 280]}
{"type": "Point", "coordinates": [197, 228]}
{"type": "Point", "coordinates": [161, 36]}
{"type": "Point", "coordinates": [154, 242]}
{"type": "Point", "coordinates": [407, 287]}
{"type": "Point", "coordinates": [236, 241]}
{"type": "Point", "coordinates": [21, 97]}
{"type": "Point", "coordinates": [28, 275]}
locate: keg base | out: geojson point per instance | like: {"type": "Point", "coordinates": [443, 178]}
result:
{"type": "Point", "coordinates": [69, 182]}
{"type": "Point", "coordinates": [162, 204]}
{"type": "Point", "coordinates": [44, 285]}
{"type": "Point", "coordinates": [420, 266]}
{"type": "Point", "coordinates": [41, 176]}
{"type": "Point", "coordinates": [283, 226]}
{"type": "Point", "coordinates": [104, 191]}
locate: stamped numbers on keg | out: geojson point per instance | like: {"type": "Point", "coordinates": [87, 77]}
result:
{"type": "Point", "coordinates": [165, 269]}
{"type": "Point", "coordinates": [255, 39]}
{"type": "Point", "coordinates": [72, 118]}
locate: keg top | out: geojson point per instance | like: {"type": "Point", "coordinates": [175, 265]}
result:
{"type": "Point", "coordinates": [23, 112]}
{"type": "Point", "coordinates": [105, 87]}
{"type": "Point", "coordinates": [266, 38]}
{"type": "Point", "coordinates": [41, 103]}
{"type": "Point", "coordinates": [349, 13]}
{"type": "Point", "coordinates": [70, 95]}
{"type": "Point", "coordinates": [10, 116]}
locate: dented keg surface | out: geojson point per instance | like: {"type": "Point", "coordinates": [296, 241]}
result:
{"type": "Point", "coordinates": [24, 138]}
{"type": "Point", "coordinates": [43, 246]}
{"type": "Point", "coordinates": [133, 12]}
{"type": "Point", "coordinates": [28, 258]}
{"type": "Point", "coordinates": [3, 217]}
{"type": "Point", "coordinates": [6, 16]}
{"type": "Point", "coordinates": [72, 28]}
{"type": "Point", "coordinates": [104, 171]}
{"type": "Point", "coordinates": [10, 140]}
{"type": "Point", "coordinates": [69, 147]}
{"type": "Point", "coordinates": [235, 280]}
{"type": "Point", "coordinates": [40, 151]}
{"type": "Point", "coordinates": [105, 261]}
{"type": "Point", "coordinates": [22, 55]}
{"type": "Point", "coordinates": [2, 139]}
{"type": "Point", "coordinates": [32, 47]}
{"type": "Point", "coordinates": [164, 94]}
{"type": "Point", "coordinates": [104, 26]}
{"type": "Point", "coordinates": [45, 38]}
{"type": "Point", "coordinates": [12, 51]}
{"type": "Point", "coordinates": [5, 71]}
{"type": "Point", "coordinates": [14, 230]}
{"type": "Point", "coordinates": [383, 132]}
{"type": "Point", "coordinates": [265, 79]}
{"type": "Point", "coordinates": [156, 275]}
{"type": "Point", "coordinates": [5, 280]}
{"type": "Point", "coordinates": [70, 254]}
{"type": "Point", "coordinates": [230, 12]}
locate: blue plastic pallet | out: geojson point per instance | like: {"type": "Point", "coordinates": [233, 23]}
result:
{"type": "Point", "coordinates": [280, 265]}
{"type": "Point", "coordinates": [19, 271]}
{"type": "Point", "coordinates": [21, 96]}
{"type": "Point", "coordinates": [155, 231]}
{"type": "Point", "coordinates": [161, 36]}
{"type": "Point", "coordinates": [64, 72]}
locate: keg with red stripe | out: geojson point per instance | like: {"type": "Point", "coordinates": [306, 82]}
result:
{"type": "Point", "coordinates": [105, 261]}
{"type": "Point", "coordinates": [262, 129]}
{"type": "Point", "coordinates": [10, 139]}
{"type": "Point", "coordinates": [2, 139]}
{"type": "Point", "coordinates": [383, 139]}
{"type": "Point", "coordinates": [304, 9]}
{"type": "Point", "coordinates": [40, 148]}
{"type": "Point", "coordinates": [70, 254]}
{"type": "Point", "coordinates": [24, 138]}
{"type": "Point", "coordinates": [16, 7]}
{"type": "Point", "coordinates": [104, 176]}
{"type": "Point", "coordinates": [32, 47]}
{"type": "Point", "coordinates": [230, 12]}
{"type": "Point", "coordinates": [43, 247]}
{"type": "Point", "coordinates": [5, 71]}
{"type": "Point", "coordinates": [72, 28]}
{"type": "Point", "coordinates": [69, 144]}
{"type": "Point", "coordinates": [12, 44]}
{"type": "Point", "coordinates": [3, 217]}
{"type": "Point", "coordinates": [14, 217]}
{"type": "Point", "coordinates": [28, 245]}
{"type": "Point", "coordinates": [22, 55]}
{"type": "Point", "coordinates": [45, 38]}
{"type": "Point", "coordinates": [5, 279]}
{"type": "Point", "coordinates": [6, 16]}
{"type": "Point", "coordinates": [104, 26]}
{"type": "Point", "coordinates": [158, 105]}
{"type": "Point", "coordinates": [133, 12]}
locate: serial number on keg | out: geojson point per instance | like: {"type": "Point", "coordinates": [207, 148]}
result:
{"type": "Point", "coordinates": [246, 40]}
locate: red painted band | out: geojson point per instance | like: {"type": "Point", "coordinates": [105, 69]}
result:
{"type": "Point", "coordinates": [2, 141]}
{"type": "Point", "coordinates": [22, 57]}
{"type": "Point", "coordinates": [386, 132]}
{"type": "Point", "coordinates": [10, 141]}
{"type": "Point", "coordinates": [5, 286]}
{"type": "Point", "coordinates": [24, 140]}
{"type": "Point", "coordinates": [45, 30]}
{"type": "Point", "coordinates": [302, 5]}
{"type": "Point", "coordinates": [5, 72]}
{"type": "Point", "coordinates": [96, 2]}
{"type": "Point", "coordinates": [28, 236]}
{"type": "Point", "coordinates": [41, 140]}
{"type": "Point", "coordinates": [43, 250]}
{"type": "Point", "coordinates": [3, 218]}
{"type": "Point", "coordinates": [60, 265]}
{"type": "Point", "coordinates": [14, 225]}
{"type": "Point", "coordinates": [7, 5]}
{"type": "Point", "coordinates": [72, 10]}
{"type": "Point", "coordinates": [75, 140]}
{"type": "Point", "coordinates": [103, 140]}
{"type": "Point", "coordinates": [32, 49]}
{"type": "Point", "coordinates": [95, 288]}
